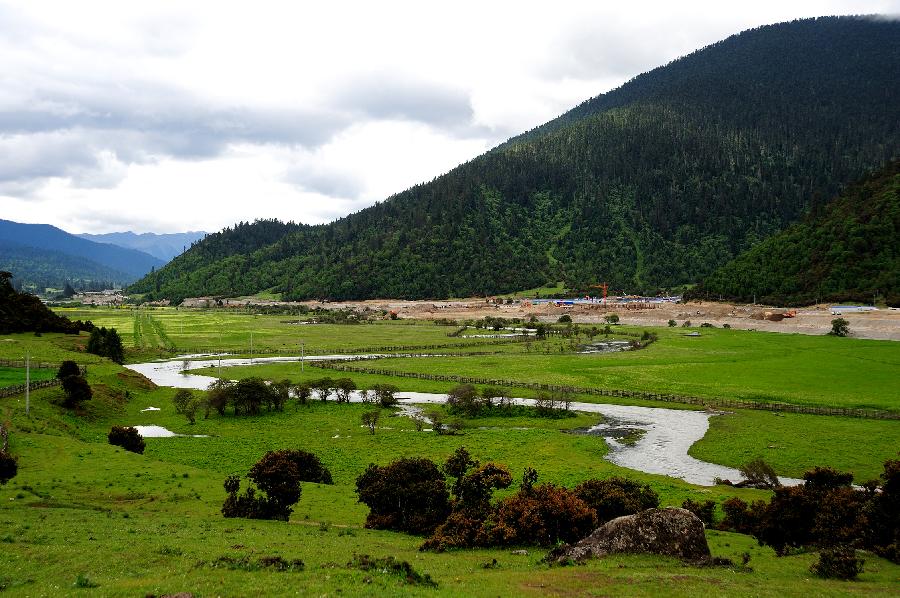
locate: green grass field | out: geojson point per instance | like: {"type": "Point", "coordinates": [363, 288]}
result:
{"type": "Point", "coordinates": [16, 376]}
{"type": "Point", "coordinates": [82, 512]}
{"type": "Point", "coordinates": [736, 364]}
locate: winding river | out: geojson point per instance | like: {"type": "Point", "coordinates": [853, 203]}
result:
{"type": "Point", "coordinates": [661, 449]}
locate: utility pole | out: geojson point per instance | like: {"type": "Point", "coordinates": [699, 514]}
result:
{"type": "Point", "coordinates": [27, 383]}
{"type": "Point", "coordinates": [302, 356]}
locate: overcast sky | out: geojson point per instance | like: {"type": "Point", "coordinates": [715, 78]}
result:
{"type": "Point", "coordinates": [172, 116]}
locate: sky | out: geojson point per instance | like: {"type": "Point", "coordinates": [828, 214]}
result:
{"type": "Point", "coordinates": [169, 116]}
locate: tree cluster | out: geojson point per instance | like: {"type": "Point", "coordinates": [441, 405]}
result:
{"type": "Point", "coordinates": [825, 512]}
{"type": "Point", "coordinates": [277, 476]}
{"type": "Point", "coordinates": [106, 342]}
{"type": "Point", "coordinates": [128, 438]}
{"type": "Point", "coordinates": [21, 312]}
{"type": "Point", "coordinates": [453, 504]}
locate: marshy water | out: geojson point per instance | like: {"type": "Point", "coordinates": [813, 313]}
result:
{"type": "Point", "coordinates": [661, 446]}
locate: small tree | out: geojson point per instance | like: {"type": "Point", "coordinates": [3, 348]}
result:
{"type": "Point", "coordinates": [438, 421]}
{"type": "Point", "coordinates": [127, 438]}
{"type": "Point", "coordinates": [77, 391]}
{"type": "Point", "coordinates": [280, 394]}
{"type": "Point", "coordinates": [611, 318]}
{"type": "Point", "coordinates": [565, 319]}
{"type": "Point", "coordinates": [186, 404]}
{"type": "Point", "coordinates": [218, 396]}
{"type": "Point", "coordinates": [759, 474]}
{"type": "Point", "coordinates": [303, 392]}
{"type": "Point", "coordinates": [409, 495]}
{"type": "Point", "coordinates": [672, 323]}
{"type": "Point", "coordinates": [9, 465]}
{"type": "Point", "coordinates": [370, 420]}
{"type": "Point", "coordinates": [345, 387]}
{"type": "Point", "coordinates": [384, 394]}
{"type": "Point", "coordinates": [464, 399]}
{"type": "Point", "coordinates": [322, 387]}
{"type": "Point", "coordinates": [839, 327]}
{"type": "Point", "coordinates": [68, 368]}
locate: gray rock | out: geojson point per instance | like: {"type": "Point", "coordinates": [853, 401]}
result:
{"type": "Point", "coordinates": [671, 532]}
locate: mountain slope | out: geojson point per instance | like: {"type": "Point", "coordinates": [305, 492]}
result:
{"type": "Point", "coordinates": [161, 246]}
{"type": "Point", "coordinates": [44, 268]}
{"type": "Point", "coordinates": [847, 251]}
{"type": "Point", "coordinates": [43, 236]}
{"type": "Point", "coordinates": [655, 184]}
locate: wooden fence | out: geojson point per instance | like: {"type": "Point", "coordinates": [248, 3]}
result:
{"type": "Point", "coordinates": [633, 394]}
{"type": "Point", "coordinates": [9, 391]}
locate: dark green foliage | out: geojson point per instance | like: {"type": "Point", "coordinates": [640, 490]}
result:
{"type": "Point", "coordinates": [706, 510]}
{"type": "Point", "coordinates": [758, 474]}
{"type": "Point", "coordinates": [409, 495]}
{"type": "Point", "coordinates": [391, 566]}
{"type": "Point", "coordinates": [344, 388]}
{"type": "Point", "coordinates": [266, 563]}
{"type": "Point", "coordinates": [68, 368]}
{"type": "Point", "coordinates": [652, 185]}
{"type": "Point", "coordinates": [303, 391]}
{"type": "Point", "coordinates": [249, 395]}
{"type": "Point", "coordinates": [615, 497]}
{"type": "Point", "coordinates": [186, 404]}
{"type": "Point", "coordinates": [839, 327]}
{"type": "Point", "coordinates": [845, 251]}
{"type": "Point", "coordinates": [21, 312]}
{"type": "Point", "coordinates": [838, 563]}
{"type": "Point", "coordinates": [565, 319]}
{"type": "Point", "coordinates": [126, 437]}
{"type": "Point", "coordinates": [278, 475]}
{"type": "Point", "coordinates": [384, 394]}
{"type": "Point", "coordinates": [77, 391]}
{"type": "Point", "coordinates": [106, 343]}
{"type": "Point", "coordinates": [9, 467]}
{"type": "Point", "coordinates": [370, 420]}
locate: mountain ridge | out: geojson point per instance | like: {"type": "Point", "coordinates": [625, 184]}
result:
{"type": "Point", "coordinates": [696, 162]}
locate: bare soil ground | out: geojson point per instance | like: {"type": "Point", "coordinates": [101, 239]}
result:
{"type": "Point", "coordinates": [814, 319]}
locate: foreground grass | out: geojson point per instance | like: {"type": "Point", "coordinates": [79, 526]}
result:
{"type": "Point", "coordinates": [142, 524]}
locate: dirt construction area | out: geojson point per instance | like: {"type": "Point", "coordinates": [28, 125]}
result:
{"type": "Point", "coordinates": [883, 323]}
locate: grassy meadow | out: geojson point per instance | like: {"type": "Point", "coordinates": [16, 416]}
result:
{"type": "Point", "coordinates": [86, 517]}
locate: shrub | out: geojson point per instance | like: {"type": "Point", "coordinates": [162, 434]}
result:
{"type": "Point", "coordinates": [545, 515]}
{"type": "Point", "coordinates": [9, 467]}
{"type": "Point", "coordinates": [218, 396]}
{"type": "Point", "coordinates": [672, 323]}
{"type": "Point", "coordinates": [463, 399]}
{"type": "Point", "coordinates": [249, 395]}
{"type": "Point", "coordinates": [68, 368]}
{"type": "Point", "coordinates": [706, 511]}
{"type": "Point", "coordinates": [186, 404]}
{"type": "Point", "coordinates": [615, 497]}
{"type": "Point", "coordinates": [384, 394]}
{"type": "Point", "coordinates": [759, 474]}
{"type": "Point", "coordinates": [344, 387]}
{"type": "Point", "coordinates": [303, 391]}
{"type": "Point", "coordinates": [127, 438]}
{"type": "Point", "coordinates": [77, 391]}
{"type": "Point", "coordinates": [565, 319]}
{"type": "Point", "coordinates": [840, 327]}
{"type": "Point", "coordinates": [391, 566]}
{"type": "Point", "coordinates": [277, 475]}
{"type": "Point", "coordinates": [408, 495]}
{"type": "Point", "coordinates": [838, 563]}
{"type": "Point", "coordinates": [686, 324]}
{"type": "Point", "coordinates": [788, 520]}
{"type": "Point", "coordinates": [611, 319]}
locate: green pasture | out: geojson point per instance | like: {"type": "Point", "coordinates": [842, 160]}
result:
{"type": "Point", "coordinates": [734, 364]}
{"type": "Point", "coordinates": [210, 329]}
{"type": "Point", "coordinates": [15, 376]}
{"type": "Point", "coordinates": [130, 524]}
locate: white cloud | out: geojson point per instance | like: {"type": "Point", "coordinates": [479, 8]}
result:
{"type": "Point", "coordinates": [160, 116]}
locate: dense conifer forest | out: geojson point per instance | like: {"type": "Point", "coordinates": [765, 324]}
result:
{"type": "Point", "coordinates": [848, 250]}
{"type": "Point", "coordinates": [653, 185]}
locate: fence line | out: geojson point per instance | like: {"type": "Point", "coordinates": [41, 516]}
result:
{"type": "Point", "coordinates": [8, 391]}
{"type": "Point", "coordinates": [636, 394]}
{"type": "Point", "coordinates": [20, 363]}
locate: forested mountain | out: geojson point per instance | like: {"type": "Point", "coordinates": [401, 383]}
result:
{"type": "Point", "coordinates": [131, 262]}
{"type": "Point", "coordinates": [654, 184]}
{"type": "Point", "coordinates": [161, 246]}
{"type": "Point", "coordinates": [847, 250]}
{"type": "Point", "coordinates": [22, 312]}
{"type": "Point", "coordinates": [44, 268]}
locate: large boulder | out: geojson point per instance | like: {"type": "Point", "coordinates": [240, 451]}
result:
{"type": "Point", "coordinates": [671, 532]}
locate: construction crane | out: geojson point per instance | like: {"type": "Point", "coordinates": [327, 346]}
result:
{"type": "Point", "coordinates": [601, 286]}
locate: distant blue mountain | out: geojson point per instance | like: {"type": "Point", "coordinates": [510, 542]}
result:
{"type": "Point", "coordinates": [35, 268]}
{"type": "Point", "coordinates": [131, 262]}
{"type": "Point", "coordinates": [162, 246]}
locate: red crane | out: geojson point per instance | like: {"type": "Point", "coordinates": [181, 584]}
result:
{"type": "Point", "coordinates": [601, 286]}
